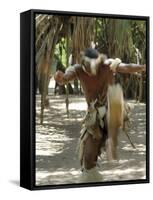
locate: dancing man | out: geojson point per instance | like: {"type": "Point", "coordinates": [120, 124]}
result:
{"type": "Point", "coordinates": [105, 112]}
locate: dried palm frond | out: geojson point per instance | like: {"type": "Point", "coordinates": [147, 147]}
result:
{"type": "Point", "coordinates": [83, 35]}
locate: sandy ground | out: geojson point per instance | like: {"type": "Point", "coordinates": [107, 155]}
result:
{"type": "Point", "coordinates": [56, 141]}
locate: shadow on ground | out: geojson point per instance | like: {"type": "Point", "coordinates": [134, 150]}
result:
{"type": "Point", "coordinates": [56, 142]}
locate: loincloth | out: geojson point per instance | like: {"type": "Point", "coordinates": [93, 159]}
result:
{"type": "Point", "coordinates": [93, 124]}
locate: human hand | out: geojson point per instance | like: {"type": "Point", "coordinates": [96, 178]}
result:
{"type": "Point", "coordinates": [59, 77]}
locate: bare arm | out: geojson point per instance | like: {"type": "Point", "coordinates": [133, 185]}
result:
{"type": "Point", "coordinates": [117, 66]}
{"type": "Point", "coordinates": [63, 78]}
{"type": "Point", "coordinates": [130, 68]}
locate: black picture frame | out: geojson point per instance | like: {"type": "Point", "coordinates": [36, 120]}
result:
{"type": "Point", "coordinates": [27, 99]}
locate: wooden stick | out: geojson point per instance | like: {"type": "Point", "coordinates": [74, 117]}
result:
{"type": "Point", "coordinates": [67, 62]}
{"type": "Point", "coordinates": [129, 139]}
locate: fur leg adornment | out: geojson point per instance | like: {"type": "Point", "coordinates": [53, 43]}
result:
{"type": "Point", "coordinates": [114, 118]}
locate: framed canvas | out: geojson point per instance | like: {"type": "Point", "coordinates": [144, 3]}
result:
{"type": "Point", "coordinates": [84, 99]}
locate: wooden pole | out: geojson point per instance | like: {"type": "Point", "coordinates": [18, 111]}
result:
{"type": "Point", "coordinates": [67, 63]}
{"type": "Point", "coordinates": [140, 78]}
{"type": "Point", "coordinates": [51, 40]}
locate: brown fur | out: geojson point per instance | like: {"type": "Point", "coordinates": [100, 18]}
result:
{"type": "Point", "coordinates": [114, 118]}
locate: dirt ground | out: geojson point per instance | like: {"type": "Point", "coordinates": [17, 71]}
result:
{"type": "Point", "coordinates": [56, 142]}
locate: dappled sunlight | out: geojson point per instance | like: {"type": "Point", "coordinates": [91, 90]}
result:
{"type": "Point", "coordinates": [57, 110]}
{"type": "Point", "coordinates": [56, 142]}
{"type": "Point", "coordinates": [51, 142]}
{"type": "Point", "coordinates": [80, 106]}
{"type": "Point", "coordinates": [124, 170]}
{"type": "Point", "coordinates": [58, 177]}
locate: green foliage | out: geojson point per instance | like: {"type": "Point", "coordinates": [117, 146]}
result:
{"type": "Point", "coordinates": [64, 35]}
{"type": "Point", "coordinates": [118, 37]}
{"type": "Point", "coordinates": [60, 51]}
{"type": "Point", "coordinates": [138, 29]}
{"type": "Point", "coordinates": [115, 37]}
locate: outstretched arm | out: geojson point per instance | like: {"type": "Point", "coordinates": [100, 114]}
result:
{"type": "Point", "coordinates": [130, 68]}
{"type": "Point", "coordinates": [117, 66]}
{"type": "Point", "coordinates": [63, 78]}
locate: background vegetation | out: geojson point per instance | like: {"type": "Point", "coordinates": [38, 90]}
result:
{"type": "Point", "coordinates": [58, 37]}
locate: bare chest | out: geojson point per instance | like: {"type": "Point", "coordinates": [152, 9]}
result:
{"type": "Point", "coordinates": [95, 86]}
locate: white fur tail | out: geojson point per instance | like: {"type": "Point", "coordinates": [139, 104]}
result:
{"type": "Point", "coordinates": [115, 106]}
{"type": "Point", "coordinates": [114, 118]}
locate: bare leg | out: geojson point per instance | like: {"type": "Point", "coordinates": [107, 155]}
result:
{"type": "Point", "coordinates": [91, 152]}
{"type": "Point", "coordinates": [90, 156]}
